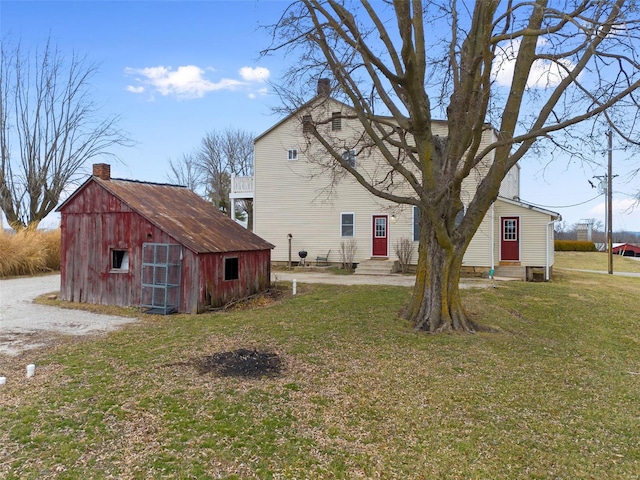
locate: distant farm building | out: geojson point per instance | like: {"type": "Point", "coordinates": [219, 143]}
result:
{"type": "Point", "coordinates": [626, 249]}
{"type": "Point", "coordinates": [157, 246]}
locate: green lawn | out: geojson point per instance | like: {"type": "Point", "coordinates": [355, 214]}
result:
{"type": "Point", "coordinates": [553, 393]}
{"type": "Point", "coordinates": [595, 261]}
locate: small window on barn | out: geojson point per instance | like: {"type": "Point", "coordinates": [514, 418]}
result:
{"type": "Point", "coordinates": [120, 260]}
{"type": "Point", "coordinates": [231, 268]}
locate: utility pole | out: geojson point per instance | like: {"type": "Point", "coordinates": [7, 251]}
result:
{"type": "Point", "coordinates": [609, 203]}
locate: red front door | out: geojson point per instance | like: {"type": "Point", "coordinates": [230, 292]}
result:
{"type": "Point", "coordinates": [510, 239]}
{"type": "Point", "coordinates": [380, 236]}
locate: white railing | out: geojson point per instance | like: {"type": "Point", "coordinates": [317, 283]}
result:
{"type": "Point", "coordinates": [242, 186]}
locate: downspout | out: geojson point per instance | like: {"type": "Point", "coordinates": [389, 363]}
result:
{"type": "Point", "coordinates": [546, 263]}
{"type": "Point", "coordinates": [493, 248]}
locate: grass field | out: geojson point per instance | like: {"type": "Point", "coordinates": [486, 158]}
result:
{"type": "Point", "coordinates": [595, 261]}
{"type": "Point", "coordinates": [553, 393]}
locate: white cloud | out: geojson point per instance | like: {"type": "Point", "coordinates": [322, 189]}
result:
{"type": "Point", "coordinates": [261, 92]}
{"type": "Point", "coordinates": [132, 89]}
{"type": "Point", "coordinates": [258, 74]}
{"type": "Point", "coordinates": [543, 73]}
{"type": "Point", "coordinates": [189, 81]}
{"type": "Point", "coordinates": [626, 214]}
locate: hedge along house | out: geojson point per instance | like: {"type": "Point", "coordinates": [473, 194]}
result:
{"type": "Point", "coordinates": [157, 246]}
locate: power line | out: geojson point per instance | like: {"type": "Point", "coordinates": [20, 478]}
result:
{"type": "Point", "coordinates": [562, 206]}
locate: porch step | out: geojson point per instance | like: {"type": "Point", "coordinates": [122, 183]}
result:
{"type": "Point", "coordinates": [375, 267]}
{"type": "Point", "coordinates": [510, 271]}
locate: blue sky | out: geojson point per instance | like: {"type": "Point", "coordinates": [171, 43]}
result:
{"type": "Point", "coordinates": [175, 70]}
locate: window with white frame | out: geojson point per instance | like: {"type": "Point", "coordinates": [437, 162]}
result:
{"type": "Point", "coordinates": [293, 154]}
{"type": "Point", "coordinates": [347, 224]}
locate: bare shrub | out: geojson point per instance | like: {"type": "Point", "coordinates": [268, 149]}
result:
{"type": "Point", "coordinates": [404, 251]}
{"type": "Point", "coordinates": [348, 253]}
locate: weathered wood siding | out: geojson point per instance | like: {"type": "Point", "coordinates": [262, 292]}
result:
{"type": "Point", "coordinates": [254, 275]}
{"type": "Point", "coordinates": [95, 222]}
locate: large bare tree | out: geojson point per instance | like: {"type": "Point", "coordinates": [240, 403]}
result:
{"type": "Point", "coordinates": [221, 155]}
{"type": "Point", "coordinates": [186, 171]}
{"type": "Point", "coordinates": [538, 71]}
{"type": "Point", "coordinates": [49, 127]}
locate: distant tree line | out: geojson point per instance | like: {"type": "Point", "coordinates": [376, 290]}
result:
{"type": "Point", "coordinates": [565, 231]}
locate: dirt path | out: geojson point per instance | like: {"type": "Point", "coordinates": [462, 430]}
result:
{"type": "Point", "coordinates": [24, 324]}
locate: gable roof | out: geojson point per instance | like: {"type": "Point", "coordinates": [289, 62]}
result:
{"type": "Point", "coordinates": [324, 98]}
{"type": "Point", "coordinates": [182, 214]}
{"type": "Point", "coordinates": [519, 203]}
{"type": "Point", "coordinates": [307, 104]}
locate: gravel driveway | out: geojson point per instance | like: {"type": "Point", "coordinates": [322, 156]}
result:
{"type": "Point", "coordinates": [24, 324]}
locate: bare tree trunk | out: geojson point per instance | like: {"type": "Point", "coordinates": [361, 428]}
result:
{"type": "Point", "coordinates": [248, 205]}
{"type": "Point", "coordinates": [435, 305]}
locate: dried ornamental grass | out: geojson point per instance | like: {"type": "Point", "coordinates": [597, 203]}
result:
{"type": "Point", "coordinates": [29, 251]}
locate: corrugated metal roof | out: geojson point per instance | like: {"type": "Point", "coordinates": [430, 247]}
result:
{"type": "Point", "coordinates": [188, 218]}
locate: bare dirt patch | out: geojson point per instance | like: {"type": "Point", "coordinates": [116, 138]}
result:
{"type": "Point", "coordinates": [240, 363]}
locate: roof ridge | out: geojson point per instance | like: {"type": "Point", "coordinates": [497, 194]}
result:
{"type": "Point", "coordinates": [147, 183]}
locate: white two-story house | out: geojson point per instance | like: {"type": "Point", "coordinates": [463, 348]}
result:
{"type": "Point", "coordinates": [299, 205]}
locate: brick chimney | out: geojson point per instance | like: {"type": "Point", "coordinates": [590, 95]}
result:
{"type": "Point", "coordinates": [102, 170]}
{"type": "Point", "coordinates": [324, 87]}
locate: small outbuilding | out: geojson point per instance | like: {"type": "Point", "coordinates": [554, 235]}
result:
{"type": "Point", "coordinates": [157, 246]}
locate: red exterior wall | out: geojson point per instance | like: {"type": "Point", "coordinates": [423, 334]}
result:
{"type": "Point", "coordinates": [94, 222]}
{"type": "Point", "coordinates": [254, 275]}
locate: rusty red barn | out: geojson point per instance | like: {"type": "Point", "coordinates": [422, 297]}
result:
{"type": "Point", "coordinates": [108, 225]}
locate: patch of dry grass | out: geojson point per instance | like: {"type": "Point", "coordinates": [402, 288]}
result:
{"type": "Point", "coordinates": [595, 261]}
{"type": "Point", "coordinates": [29, 251]}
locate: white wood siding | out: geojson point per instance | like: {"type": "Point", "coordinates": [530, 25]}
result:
{"type": "Point", "coordinates": [295, 197]}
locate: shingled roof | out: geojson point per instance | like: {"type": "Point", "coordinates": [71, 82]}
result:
{"type": "Point", "coordinates": [182, 214]}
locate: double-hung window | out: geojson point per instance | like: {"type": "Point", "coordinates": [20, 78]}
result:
{"type": "Point", "coordinates": [347, 224]}
{"type": "Point", "coordinates": [293, 154]}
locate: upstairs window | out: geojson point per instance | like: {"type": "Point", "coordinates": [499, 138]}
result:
{"type": "Point", "coordinates": [293, 154]}
{"type": "Point", "coordinates": [349, 156]}
{"type": "Point", "coordinates": [307, 124]}
{"type": "Point", "coordinates": [336, 121]}
{"type": "Point", "coordinates": [347, 223]}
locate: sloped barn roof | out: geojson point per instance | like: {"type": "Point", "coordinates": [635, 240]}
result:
{"type": "Point", "coordinates": [182, 214]}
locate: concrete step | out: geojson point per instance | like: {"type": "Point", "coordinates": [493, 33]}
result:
{"type": "Point", "coordinates": [508, 271]}
{"type": "Point", "coordinates": [375, 267]}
